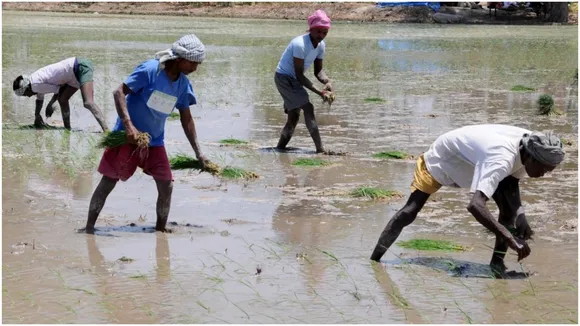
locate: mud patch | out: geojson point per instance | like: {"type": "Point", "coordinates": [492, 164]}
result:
{"type": "Point", "coordinates": [460, 268]}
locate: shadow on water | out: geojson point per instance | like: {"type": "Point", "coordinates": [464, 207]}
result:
{"type": "Point", "coordinates": [289, 150]}
{"type": "Point", "coordinates": [134, 228]}
{"type": "Point", "coordinates": [458, 268]}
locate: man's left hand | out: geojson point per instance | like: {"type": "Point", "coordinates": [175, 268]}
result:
{"type": "Point", "coordinates": [328, 87]}
{"type": "Point", "coordinates": [202, 161]}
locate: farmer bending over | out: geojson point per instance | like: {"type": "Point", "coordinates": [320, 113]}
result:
{"type": "Point", "coordinates": [490, 160]}
{"type": "Point", "coordinates": [143, 102]}
{"type": "Point", "coordinates": [63, 79]}
{"type": "Point", "coordinates": [290, 80]}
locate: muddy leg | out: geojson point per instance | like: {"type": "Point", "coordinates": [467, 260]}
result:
{"type": "Point", "coordinates": [288, 130]}
{"type": "Point", "coordinates": [312, 126]}
{"type": "Point", "coordinates": [164, 188]}
{"type": "Point", "coordinates": [98, 201]}
{"type": "Point", "coordinates": [506, 218]}
{"type": "Point", "coordinates": [402, 218]}
{"type": "Point", "coordinates": [65, 93]}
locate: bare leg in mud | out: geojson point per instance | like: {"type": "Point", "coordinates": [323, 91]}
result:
{"type": "Point", "coordinates": [312, 126]}
{"type": "Point", "coordinates": [164, 188]}
{"type": "Point", "coordinates": [98, 201]}
{"type": "Point", "coordinates": [65, 93]}
{"type": "Point", "coordinates": [401, 219]}
{"type": "Point", "coordinates": [288, 130]}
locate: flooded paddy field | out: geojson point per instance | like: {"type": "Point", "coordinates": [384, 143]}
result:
{"type": "Point", "coordinates": [292, 246]}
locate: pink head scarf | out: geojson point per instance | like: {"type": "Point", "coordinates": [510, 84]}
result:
{"type": "Point", "coordinates": [319, 19]}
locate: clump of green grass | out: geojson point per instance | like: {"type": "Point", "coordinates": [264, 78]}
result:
{"type": "Point", "coordinates": [392, 154]}
{"type": "Point", "coordinates": [233, 141]}
{"type": "Point", "coordinates": [431, 245]}
{"type": "Point", "coordinates": [546, 105]}
{"type": "Point", "coordinates": [310, 162]}
{"type": "Point", "coordinates": [522, 88]}
{"type": "Point", "coordinates": [174, 116]}
{"type": "Point", "coordinates": [117, 138]}
{"type": "Point", "coordinates": [374, 100]}
{"type": "Point", "coordinates": [237, 173]}
{"type": "Point", "coordinates": [374, 193]}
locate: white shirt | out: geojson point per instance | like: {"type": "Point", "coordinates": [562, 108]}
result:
{"type": "Point", "coordinates": [300, 47]}
{"type": "Point", "coordinates": [49, 79]}
{"type": "Point", "coordinates": [476, 157]}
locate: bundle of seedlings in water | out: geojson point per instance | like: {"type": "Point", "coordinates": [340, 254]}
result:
{"type": "Point", "coordinates": [392, 154]}
{"type": "Point", "coordinates": [118, 138]}
{"type": "Point", "coordinates": [310, 162]}
{"type": "Point", "coordinates": [374, 193]}
{"type": "Point", "coordinates": [236, 173]}
{"type": "Point", "coordinates": [374, 100]}
{"type": "Point", "coordinates": [431, 245]}
{"type": "Point", "coordinates": [522, 88]}
{"type": "Point", "coordinates": [173, 116]}
{"type": "Point", "coordinates": [182, 162]}
{"type": "Point", "coordinates": [546, 105]}
{"type": "Point", "coordinates": [233, 141]}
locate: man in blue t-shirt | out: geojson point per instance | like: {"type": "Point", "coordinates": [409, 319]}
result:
{"type": "Point", "coordinates": [143, 102]}
{"type": "Point", "coordinates": [300, 54]}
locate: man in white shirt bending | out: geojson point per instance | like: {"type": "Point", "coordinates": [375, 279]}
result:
{"type": "Point", "coordinates": [62, 79]}
{"type": "Point", "coordinates": [489, 160]}
{"type": "Point", "coordinates": [300, 54]}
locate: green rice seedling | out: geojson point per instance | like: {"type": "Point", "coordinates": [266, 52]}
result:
{"type": "Point", "coordinates": [118, 138]}
{"type": "Point", "coordinates": [310, 162]}
{"type": "Point", "coordinates": [182, 161]}
{"type": "Point", "coordinates": [522, 88]}
{"type": "Point", "coordinates": [237, 173]}
{"type": "Point", "coordinates": [566, 142]}
{"type": "Point", "coordinates": [431, 245]}
{"type": "Point", "coordinates": [392, 154]}
{"type": "Point", "coordinates": [546, 105]}
{"type": "Point", "coordinates": [174, 116]}
{"type": "Point", "coordinates": [374, 100]}
{"type": "Point", "coordinates": [233, 141]}
{"type": "Point", "coordinates": [374, 193]}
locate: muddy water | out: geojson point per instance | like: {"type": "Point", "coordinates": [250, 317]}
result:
{"type": "Point", "coordinates": [310, 242]}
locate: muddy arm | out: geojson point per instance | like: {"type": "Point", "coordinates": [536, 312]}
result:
{"type": "Point", "coordinates": [189, 129]}
{"type": "Point", "coordinates": [319, 71]}
{"type": "Point", "coordinates": [478, 208]}
{"type": "Point", "coordinates": [510, 191]}
{"type": "Point", "coordinates": [299, 70]}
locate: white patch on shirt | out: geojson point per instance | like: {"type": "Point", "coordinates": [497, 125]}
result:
{"type": "Point", "coordinates": [161, 102]}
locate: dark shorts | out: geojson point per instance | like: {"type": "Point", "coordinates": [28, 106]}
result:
{"type": "Point", "coordinates": [83, 70]}
{"type": "Point", "coordinates": [293, 93]}
{"type": "Point", "coordinates": [122, 162]}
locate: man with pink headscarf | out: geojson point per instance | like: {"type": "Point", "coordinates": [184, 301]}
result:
{"type": "Point", "coordinates": [290, 80]}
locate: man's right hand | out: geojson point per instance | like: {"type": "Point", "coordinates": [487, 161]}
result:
{"type": "Point", "coordinates": [519, 246]}
{"type": "Point", "coordinates": [131, 133]}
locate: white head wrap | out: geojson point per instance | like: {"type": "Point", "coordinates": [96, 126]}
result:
{"type": "Point", "coordinates": [189, 47]}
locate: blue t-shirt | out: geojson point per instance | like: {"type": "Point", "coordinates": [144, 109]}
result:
{"type": "Point", "coordinates": [153, 98]}
{"type": "Point", "coordinates": [300, 47]}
